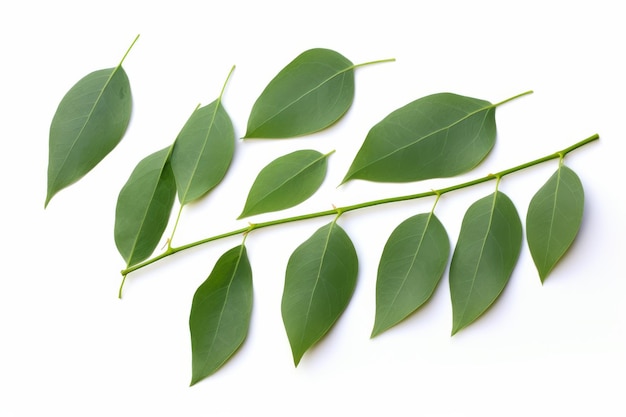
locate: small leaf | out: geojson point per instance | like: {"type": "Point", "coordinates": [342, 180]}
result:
{"type": "Point", "coordinates": [309, 94]}
{"type": "Point", "coordinates": [90, 121]}
{"type": "Point", "coordinates": [203, 151]}
{"type": "Point", "coordinates": [220, 313]}
{"type": "Point", "coordinates": [286, 182]}
{"type": "Point", "coordinates": [412, 264]}
{"type": "Point", "coordinates": [441, 135]}
{"type": "Point", "coordinates": [553, 219]}
{"type": "Point", "coordinates": [484, 258]}
{"type": "Point", "coordinates": [144, 206]}
{"type": "Point", "coordinates": [319, 282]}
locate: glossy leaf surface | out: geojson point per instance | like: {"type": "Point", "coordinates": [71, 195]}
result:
{"type": "Point", "coordinates": [441, 135]}
{"type": "Point", "coordinates": [320, 279]}
{"type": "Point", "coordinates": [309, 94]}
{"type": "Point", "coordinates": [144, 206]}
{"type": "Point", "coordinates": [412, 264]}
{"type": "Point", "coordinates": [203, 151]}
{"type": "Point", "coordinates": [553, 219]}
{"type": "Point", "coordinates": [286, 182]}
{"type": "Point", "coordinates": [484, 257]}
{"type": "Point", "coordinates": [89, 122]}
{"type": "Point", "coordinates": [220, 313]}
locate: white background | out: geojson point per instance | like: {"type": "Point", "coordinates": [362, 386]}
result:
{"type": "Point", "coordinates": [69, 346]}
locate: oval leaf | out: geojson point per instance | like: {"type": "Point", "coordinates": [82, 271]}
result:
{"type": "Point", "coordinates": [412, 264]}
{"type": "Point", "coordinates": [441, 135]}
{"type": "Point", "coordinates": [309, 94]}
{"type": "Point", "coordinates": [319, 282]}
{"type": "Point", "coordinates": [144, 206]}
{"type": "Point", "coordinates": [553, 219]}
{"type": "Point", "coordinates": [286, 182]}
{"type": "Point", "coordinates": [90, 121]}
{"type": "Point", "coordinates": [484, 258]}
{"type": "Point", "coordinates": [203, 151]}
{"type": "Point", "coordinates": [220, 313]}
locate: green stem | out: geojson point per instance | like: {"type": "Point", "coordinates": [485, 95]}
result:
{"type": "Point", "coordinates": [128, 50]}
{"type": "Point", "coordinates": [513, 98]}
{"type": "Point", "coordinates": [380, 61]}
{"type": "Point", "coordinates": [340, 210]}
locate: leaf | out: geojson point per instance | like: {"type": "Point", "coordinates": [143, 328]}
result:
{"type": "Point", "coordinates": [484, 258]}
{"type": "Point", "coordinates": [286, 182]}
{"type": "Point", "coordinates": [441, 135]}
{"type": "Point", "coordinates": [203, 151]}
{"type": "Point", "coordinates": [220, 313]}
{"type": "Point", "coordinates": [412, 264]}
{"type": "Point", "coordinates": [90, 121]}
{"type": "Point", "coordinates": [553, 219]}
{"type": "Point", "coordinates": [319, 282]}
{"type": "Point", "coordinates": [309, 94]}
{"type": "Point", "coordinates": [144, 206]}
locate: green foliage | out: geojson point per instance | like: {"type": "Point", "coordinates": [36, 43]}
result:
{"type": "Point", "coordinates": [89, 122]}
{"type": "Point", "coordinates": [144, 206]}
{"type": "Point", "coordinates": [203, 151]}
{"type": "Point", "coordinates": [311, 93]}
{"type": "Point", "coordinates": [286, 182]}
{"type": "Point", "coordinates": [441, 135]}
{"type": "Point", "coordinates": [319, 282]}
{"type": "Point", "coordinates": [220, 313]}
{"type": "Point", "coordinates": [553, 219]}
{"type": "Point", "coordinates": [484, 257]}
{"type": "Point", "coordinates": [412, 264]}
{"type": "Point", "coordinates": [437, 136]}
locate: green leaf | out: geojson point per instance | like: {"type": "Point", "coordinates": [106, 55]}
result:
{"type": "Point", "coordinates": [412, 264]}
{"type": "Point", "coordinates": [220, 313]}
{"type": "Point", "coordinates": [286, 182]}
{"type": "Point", "coordinates": [144, 206]}
{"type": "Point", "coordinates": [553, 219]}
{"type": "Point", "coordinates": [484, 258]}
{"type": "Point", "coordinates": [90, 121]}
{"type": "Point", "coordinates": [309, 94]}
{"type": "Point", "coordinates": [441, 135]}
{"type": "Point", "coordinates": [203, 151]}
{"type": "Point", "coordinates": [320, 279]}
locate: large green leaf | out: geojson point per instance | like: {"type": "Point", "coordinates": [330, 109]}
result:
{"type": "Point", "coordinates": [309, 94]}
{"type": "Point", "coordinates": [412, 264]}
{"type": "Point", "coordinates": [553, 219]}
{"type": "Point", "coordinates": [441, 135]}
{"type": "Point", "coordinates": [220, 313]}
{"type": "Point", "coordinates": [320, 279]}
{"type": "Point", "coordinates": [144, 206]}
{"type": "Point", "coordinates": [90, 121]}
{"type": "Point", "coordinates": [484, 258]}
{"type": "Point", "coordinates": [203, 151]}
{"type": "Point", "coordinates": [286, 182]}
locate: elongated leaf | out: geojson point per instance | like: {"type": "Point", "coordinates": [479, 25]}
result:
{"type": "Point", "coordinates": [286, 182]}
{"type": "Point", "coordinates": [203, 151]}
{"type": "Point", "coordinates": [553, 219]}
{"type": "Point", "coordinates": [220, 313]}
{"type": "Point", "coordinates": [144, 206]}
{"type": "Point", "coordinates": [319, 282]}
{"type": "Point", "coordinates": [309, 94]}
{"type": "Point", "coordinates": [412, 264]}
{"type": "Point", "coordinates": [441, 135]}
{"type": "Point", "coordinates": [90, 121]}
{"type": "Point", "coordinates": [484, 258]}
